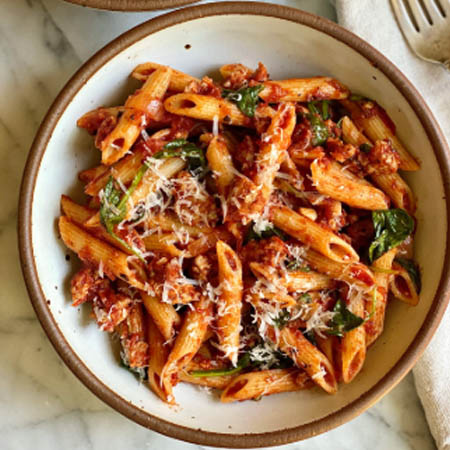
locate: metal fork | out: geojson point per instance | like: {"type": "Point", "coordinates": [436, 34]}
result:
{"type": "Point", "coordinates": [426, 26]}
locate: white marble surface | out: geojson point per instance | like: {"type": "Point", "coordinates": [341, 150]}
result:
{"type": "Point", "coordinates": [42, 405]}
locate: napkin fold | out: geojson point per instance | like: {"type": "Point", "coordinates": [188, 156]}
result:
{"type": "Point", "coordinates": [375, 22]}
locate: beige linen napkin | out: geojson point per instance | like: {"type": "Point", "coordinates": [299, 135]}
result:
{"type": "Point", "coordinates": [374, 21]}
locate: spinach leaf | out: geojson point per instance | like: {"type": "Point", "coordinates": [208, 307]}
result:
{"type": "Point", "coordinates": [320, 107]}
{"type": "Point", "coordinates": [246, 99]}
{"type": "Point", "coordinates": [243, 362]}
{"type": "Point", "coordinates": [310, 336]}
{"type": "Point", "coordinates": [319, 129]}
{"type": "Point", "coordinates": [113, 207]}
{"type": "Point", "coordinates": [296, 264]}
{"type": "Point", "coordinates": [413, 270]}
{"type": "Point", "coordinates": [343, 320]}
{"type": "Point", "coordinates": [305, 298]}
{"type": "Point", "coordinates": [282, 319]}
{"type": "Point", "coordinates": [141, 372]}
{"type": "Point", "coordinates": [182, 148]}
{"type": "Point", "coordinates": [365, 148]}
{"type": "Point", "coordinates": [264, 234]}
{"type": "Point", "coordinates": [392, 227]}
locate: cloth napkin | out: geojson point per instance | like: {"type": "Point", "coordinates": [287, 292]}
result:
{"type": "Point", "coordinates": [375, 22]}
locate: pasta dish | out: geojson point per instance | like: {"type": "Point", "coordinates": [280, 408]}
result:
{"type": "Point", "coordinates": [245, 234]}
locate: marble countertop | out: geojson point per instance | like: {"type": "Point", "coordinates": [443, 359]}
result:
{"type": "Point", "coordinates": [42, 404]}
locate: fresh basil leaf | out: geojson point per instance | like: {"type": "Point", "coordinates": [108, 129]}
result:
{"type": "Point", "coordinates": [413, 270]}
{"type": "Point", "coordinates": [392, 227]}
{"type": "Point", "coordinates": [264, 234]}
{"type": "Point", "coordinates": [243, 362]}
{"type": "Point", "coordinates": [182, 148]}
{"type": "Point", "coordinates": [343, 320]}
{"type": "Point", "coordinates": [296, 264]}
{"type": "Point", "coordinates": [246, 99]}
{"type": "Point", "coordinates": [365, 148]}
{"type": "Point", "coordinates": [319, 129]}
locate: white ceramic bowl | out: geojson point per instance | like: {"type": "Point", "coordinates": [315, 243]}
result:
{"type": "Point", "coordinates": [290, 43]}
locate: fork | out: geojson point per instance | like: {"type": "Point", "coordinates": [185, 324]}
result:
{"type": "Point", "coordinates": [426, 26]}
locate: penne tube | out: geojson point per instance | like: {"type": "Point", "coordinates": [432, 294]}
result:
{"type": "Point", "coordinates": [205, 107]}
{"type": "Point", "coordinates": [187, 344]}
{"type": "Point", "coordinates": [308, 357]}
{"type": "Point", "coordinates": [158, 353]}
{"type": "Point", "coordinates": [146, 100]}
{"type": "Point", "coordinates": [332, 180]}
{"type": "Point", "coordinates": [229, 303]}
{"type": "Point", "coordinates": [178, 80]}
{"type": "Point", "coordinates": [167, 222]}
{"type": "Point", "coordinates": [75, 212]}
{"type": "Point", "coordinates": [392, 184]}
{"type": "Point", "coordinates": [94, 251]}
{"type": "Point", "coordinates": [372, 119]}
{"type": "Point", "coordinates": [207, 242]}
{"type": "Point", "coordinates": [374, 325]}
{"type": "Point", "coordinates": [86, 176]}
{"type": "Point", "coordinates": [353, 343]}
{"type": "Point", "coordinates": [162, 243]}
{"type": "Point", "coordinates": [151, 181]}
{"type": "Point", "coordinates": [402, 287]}
{"type": "Point", "coordinates": [303, 90]}
{"type": "Point", "coordinates": [312, 234]}
{"type": "Point", "coordinates": [93, 120]}
{"type": "Point", "coordinates": [216, 382]}
{"type": "Point", "coordinates": [89, 219]}
{"type": "Point", "coordinates": [353, 273]}
{"type": "Point", "coordinates": [253, 385]}
{"type": "Point", "coordinates": [163, 314]}
{"type": "Point", "coordinates": [221, 164]}
{"type": "Point", "coordinates": [300, 281]}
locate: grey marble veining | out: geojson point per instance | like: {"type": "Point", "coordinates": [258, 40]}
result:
{"type": "Point", "coordinates": [42, 405]}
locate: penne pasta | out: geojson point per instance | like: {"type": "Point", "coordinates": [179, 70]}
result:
{"type": "Point", "coordinates": [402, 286]}
{"type": "Point", "coordinates": [331, 179]}
{"type": "Point", "coordinates": [178, 80]}
{"type": "Point", "coordinates": [205, 108]}
{"type": "Point", "coordinates": [308, 357]}
{"type": "Point", "coordinates": [229, 303]}
{"type": "Point", "coordinates": [146, 100]}
{"type": "Point", "coordinates": [310, 233]}
{"type": "Point", "coordinates": [254, 385]}
{"type": "Point", "coordinates": [374, 325]}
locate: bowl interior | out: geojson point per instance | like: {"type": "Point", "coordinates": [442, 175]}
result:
{"type": "Point", "coordinates": [289, 50]}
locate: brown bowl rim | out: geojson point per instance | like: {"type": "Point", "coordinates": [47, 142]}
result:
{"type": "Point", "coordinates": [198, 436]}
{"type": "Point", "coordinates": [131, 5]}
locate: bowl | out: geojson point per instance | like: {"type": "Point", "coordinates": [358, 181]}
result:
{"type": "Point", "coordinates": [202, 38]}
{"type": "Point", "coordinates": [131, 5]}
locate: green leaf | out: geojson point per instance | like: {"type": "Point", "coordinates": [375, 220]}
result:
{"type": "Point", "coordinates": [282, 319]}
{"type": "Point", "coordinates": [365, 148]}
{"type": "Point", "coordinates": [243, 362]}
{"type": "Point", "coordinates": [320, 107]}
{"type": "Point", "coordinates": [264, 234]}
{"type": "Point", "coordinates": [319, 129]}
{"type": "Point", "coordinates": [343, 320]}
{"type": "Point", "coordinates": [246, 99]}
{"type": "Point", "coordinates": [296, 264]}
{"type": "Point", "coordinates": [310, 336]}
{"type": "Point", "coordinates": [413, 270]}
{"type": "Point", "coordinates": [264, 354]}
{"type": "Point", "coordinates": [392, 227]}
{"type": "Point", "coordinates": [182, 148]}
{"type": "Point", "coordinates": [305, 298]}
{"type": "Point", "coordinates": [141, 372]}
{"type": "Point", "coordinates": [357, 97]}
{"type": "Point", "coordinates": [113, 208]}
